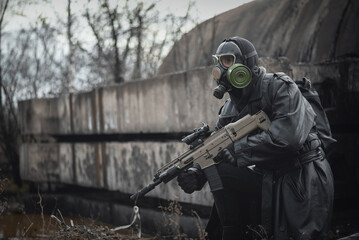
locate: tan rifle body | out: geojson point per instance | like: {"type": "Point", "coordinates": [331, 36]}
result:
{"type": "Point", "coordinates": [204, 154]}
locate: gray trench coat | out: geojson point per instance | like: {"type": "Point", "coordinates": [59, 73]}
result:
{"type": "Point", "coordinates": [297, 192]}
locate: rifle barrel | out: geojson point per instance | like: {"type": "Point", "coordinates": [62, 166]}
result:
{"type": "Point", "coordinates": [146, 189]}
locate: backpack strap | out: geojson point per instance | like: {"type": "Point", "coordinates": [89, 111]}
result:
{"type": "Point", "coordinates": [266, 101]}
{"type": "Point", "coordinates": [304, 83]}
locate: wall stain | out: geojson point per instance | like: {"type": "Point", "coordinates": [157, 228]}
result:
{"type": "Point", "coordinates": [140, 161]}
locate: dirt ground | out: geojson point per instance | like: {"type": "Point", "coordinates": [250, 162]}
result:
{"type": "Point", "coordinates": [15, 223]}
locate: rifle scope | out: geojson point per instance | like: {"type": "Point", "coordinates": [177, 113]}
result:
{"type": "Point", "coordinates": [197, 133]}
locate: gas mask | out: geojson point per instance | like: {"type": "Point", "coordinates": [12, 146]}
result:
{"type": "Point", "coordinates": [228, 74]}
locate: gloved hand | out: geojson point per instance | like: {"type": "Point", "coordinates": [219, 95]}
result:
{"type": "Point", "coordinates": [191, 180]}
{"type": "Point", "coordinates": [227, 156]}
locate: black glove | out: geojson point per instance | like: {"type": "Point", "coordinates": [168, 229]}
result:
{"type": "Point", "coordinates": [191, 180]}
{"type": "Point", "coordinates": [227, 156]}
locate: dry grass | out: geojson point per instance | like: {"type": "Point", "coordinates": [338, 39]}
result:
{"type": "Point", "coordinates": [171, 215]}
{"type": "Point", "coordinates": [91, 232]}
{"type": "Point", "coordinates": [4, 182]}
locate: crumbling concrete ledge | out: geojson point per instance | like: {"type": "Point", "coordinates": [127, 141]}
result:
{"type": "Point", "coordinates": [124, 167]}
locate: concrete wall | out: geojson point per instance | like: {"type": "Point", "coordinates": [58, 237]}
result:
{"type": "Point", "coordinates": [170, 103]}
{"type": "Point", "coordinates": [124, 167]}
{"type": "Point", "coordinates": [159, 107]}
{"type": "Point", "coordinates": [45, 116]}
{"type": "Point", "coordinates": [304, 31]}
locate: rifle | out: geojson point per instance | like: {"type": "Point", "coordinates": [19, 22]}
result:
{"type": "Point", "coordinates": [203, 148]}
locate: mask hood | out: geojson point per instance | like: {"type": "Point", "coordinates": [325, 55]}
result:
{"type": "Point", "coordinates": [239, 75]}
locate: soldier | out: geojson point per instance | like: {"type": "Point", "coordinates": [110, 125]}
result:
{"type": "Point", "coordinates": [282, 171]}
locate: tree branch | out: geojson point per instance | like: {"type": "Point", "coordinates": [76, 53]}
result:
{"type": "Point", "coordinates": [117, 71]}
{"type": "Point", "coordinates": [95, 33]}
{"type": "Point", "coordinates": [3, 12]}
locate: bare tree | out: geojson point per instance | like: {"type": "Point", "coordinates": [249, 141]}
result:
{"type": "Point", "coordinates": [112, 16]}
{"type": "Point", "coordinates": [28, 69]}
{"type": "Point", "coordinates": [137, 34]}
{"type": "Point", "coordinates": [143, 19]}
{"type": "Point", "coordinates": [175, 28]}
{"type": "Point", "coordinates": [71, 61]}
{"type": "Point", "coordinates": [104, 23]}
{"type": "Point", "coordinates": [3, 8]}
{"type": "Point", "coordinates": [8, 121]}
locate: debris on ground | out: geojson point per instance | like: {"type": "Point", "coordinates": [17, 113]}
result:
{"type": "Point", "coordinates": [93, 232]}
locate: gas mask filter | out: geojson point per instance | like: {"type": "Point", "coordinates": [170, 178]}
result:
{"type": "Point", "coordinates": [237, 76]}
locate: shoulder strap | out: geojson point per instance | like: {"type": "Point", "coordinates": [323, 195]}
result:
{"type": "Point", "coordinates": [282, 76]}
{"type": "Point", "coordinates": [266, 101]}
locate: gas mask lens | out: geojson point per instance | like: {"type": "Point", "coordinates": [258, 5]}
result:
{"type": "Point", "coordinates": [225, 60]}
{"type": "Point", "coordinates": [216, 73]}
{"type": "Point", "coordinates": [215, 59]}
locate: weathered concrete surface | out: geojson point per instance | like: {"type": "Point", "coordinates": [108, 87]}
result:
{"type": "Point", "coordinates": [169, 103]}
{"type": "Point", "coordinates": [40, 162]}
{"type": "Point", "coordinates": [108, 109]}
{"type": "Point", "coordinates": [88, 164]}
{"type": "Point", "coordinates": [124, 167]}
{"type": "Point", "coordinates": [303, 31]}
{"type": "Point", "coordinates": [132, 165]}
{"type": "Point", "coordinates": [66, 163]}
{"type": "Point", "coordinates": [45, 116]}
{"type": "Point", "coordinates": [317, 73]}
{"type": "Point", "coordinates": [84, 113]}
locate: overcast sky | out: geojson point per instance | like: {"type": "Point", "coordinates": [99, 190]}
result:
{"type": "Point", "coordinates": [204, 9]}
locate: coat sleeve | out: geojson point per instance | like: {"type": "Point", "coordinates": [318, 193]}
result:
{"type": "Point", "coordinates": [292, 118]}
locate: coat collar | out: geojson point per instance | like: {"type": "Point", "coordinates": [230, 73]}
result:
{"type": "Point", "coordinates": [257, 93]}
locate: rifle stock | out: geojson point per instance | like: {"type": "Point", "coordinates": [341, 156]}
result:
{"type": "Point", "coordinates": [203, 154]}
